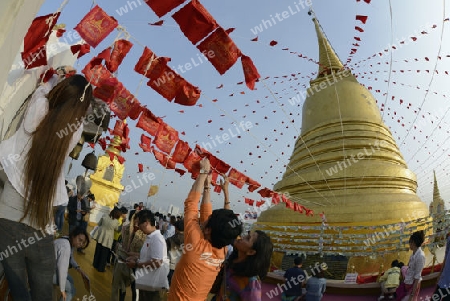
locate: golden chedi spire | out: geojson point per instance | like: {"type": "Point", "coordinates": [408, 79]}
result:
{"type": "Point", "coordinates": [345, 163]}
{"type": "Point", "coordinates": [437, 206]}
{"type": "Point", "coordinates": [328, 60]}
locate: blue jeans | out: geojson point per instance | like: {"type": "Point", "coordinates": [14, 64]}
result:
{"type": "Point", "coordinates": [70, 287]}
{"type": "Point", "coordinates": [28, 258]}
{"type": "Point", "coordinates": [59, 217]}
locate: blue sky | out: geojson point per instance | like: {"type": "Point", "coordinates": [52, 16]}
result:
{"type": "Point", "coordinates": [263, 153]}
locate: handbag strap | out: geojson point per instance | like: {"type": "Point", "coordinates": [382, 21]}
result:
{"type": "Point", "coordinates": [224, 282]}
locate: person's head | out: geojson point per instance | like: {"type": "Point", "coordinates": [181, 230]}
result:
{"type": "Point", "coordinates": [394, 263]}
{"type": "Point", "coordinates": [401, 264]}
{"type": "Point", "coordinates": [135, 206]}
{"type": "Point", "coordinates": [173, 220]}
{"type": "Point", "coordinates": [79, 238]}
{"type": "Point", "coordinates": [179, 226]}
{"type": "Point", "coordinates": [124, 212]}
{"type": "Point", "coordinates": [91, 197]}
{"type": "Point", "coordinates": [222, 228]}
{"type": "Point", "coordinates": [298, 261]}
{"type": "Point", "coordinates": [319, 274]}
{"type": "Point", "coordinates": [146, 221]}
{"type": "Point", "coordinates": [48, 149]}
{"type": "Point", "coordinates": [115, 213]}
{"type": "Point", "coordinates": [416, 240]}
{"type": "Point", "coordinates": [141, 205]}
{"type": "Point", "coordinates": [178, 218]}
{"type": "Point", "coordinates": [257, 249]}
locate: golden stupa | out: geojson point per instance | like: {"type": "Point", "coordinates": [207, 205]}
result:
{"type": "Point", "coordinates": [347, 167]}
{"type": "Point", "coordinates": [106, 180]}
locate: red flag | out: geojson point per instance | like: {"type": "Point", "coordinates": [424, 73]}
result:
{"type": "Point", "coordinates": [237, 178]}
{"type": "Point", "coordinates": [162, 7]}
{"type": "Point", "coordinates": [121, 159]}
{"type": "Point", "coordinates": [363, 19]}
{"type": "Point", "coordinates": [275, 198]}
{"type": "Point", "coordinates": [218, 165]}
{"type": "Point", "coordinates": [192, 164]}
{"type": "Point", "coordinates": [273, 43]}
{"type": "Point", "coordinates": [123, 103]}
{"type": "Point", "coordinates": [220, 50]}
{"type": "Point", "coordinates": [141, 167]}
{"type": "Point", "coordinates": [145, 143]}
{"type": "Point", "coordinates": [180, 171]}
{"type": "Point", "coordinates": [164, 159]}
{"type": "Point", "coordinates": [167, 84]}
{"type": "Point", "coordinates": [260, 203]}
{"type": "Point", "coordinates": [158, 23]}
{"type": "Point", "coordinates": [120, 50]}
{"type": "Point", "coordinates": [95, 72]}
{"type": "Point", "coordinates": [290, 205]}
{"type": "Point", "coordinates": [135, 111]}
{"type": "Point", "coordinates": [166, 138]}
{"type": "Point", "coordinates": [181, 151]}
{"type": "Point", "coordinates": [195, 21]}
{"type": "Point", "coordinates": [359, 29]}
{"type": "Point", "coordinates": [299, 208]}
{"type": "Point", "coordinates": [265, 193]}
{"type": "Point", "coordinates": [119, 128]}
{"type": "Point", "coordinates": [106, 89]}
{"type": "Point", "coordinates": [250, 72]}
{"type": "Point", "coordinates": [249, 201]}
{"type": "Point", "coordinates": [111, 155]}
{"type": "Point", "coordinates": [102, 142]}
{"type": "Point", "coordinates": [143, 65]}
{"type": "Point", "coordinates": [187, 94]}
{"type": "Point", "coordinates": [81, 49]}
{"type": "Point", "coordinates": [148, 122]}
{"type": "Point", "coordinates": [252, 185]}
{"type": "Point", "coordinates": [34, 53]}
{"type": "Point", "coordinates": [95, 26]}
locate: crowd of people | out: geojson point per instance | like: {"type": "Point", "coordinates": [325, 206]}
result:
{"type": "Point", "coordinates": [192, 257]}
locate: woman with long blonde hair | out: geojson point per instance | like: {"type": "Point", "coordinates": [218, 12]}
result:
{"type": "Point", "coordinates": [34, 182]}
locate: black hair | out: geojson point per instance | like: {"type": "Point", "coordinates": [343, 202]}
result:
{"type": "Point", "coordinates": [298, 261]}
{"type": "Point", "coordinates": [123, 210]}
{"type": "Point", "coordinates": [225, 227]}
{"type": "Point", "coordinates": [135, 206]}
{"type": "Point", "coordinates": [418, 238]}
{"type": "Point", "coordinates": [146, 216]}
{"type": "Point", "coordinates": [173, 219]}
{"type": "Point", "coordinates": [257, 264]}
{"type": "Point", "coordinates": [115, 213]}
{"type": "Point", "coordinates": [394, 263]}
{"type": "Point", "coordinates": [79, 231]}
{"type": "Point", "coordinates": [179, 225]}
{"type": "Point", "coordinates": [400, 264]}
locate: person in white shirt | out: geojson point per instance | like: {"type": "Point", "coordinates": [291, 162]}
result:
{"type": "Point", "coordinates": [34, 180]}
{"type": "Point", "coordinates": [153, 252]}
{"type": "Point", "coordinates": [416, 264]}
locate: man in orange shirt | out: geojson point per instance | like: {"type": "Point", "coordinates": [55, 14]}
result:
{"type": "Point", "coordinates": [204, 247]}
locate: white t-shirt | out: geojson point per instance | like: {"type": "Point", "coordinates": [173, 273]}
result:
{"type": "Point", "coordinates": [154, 247]}
{"type": "Point", "coordinates": [415, 267]}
